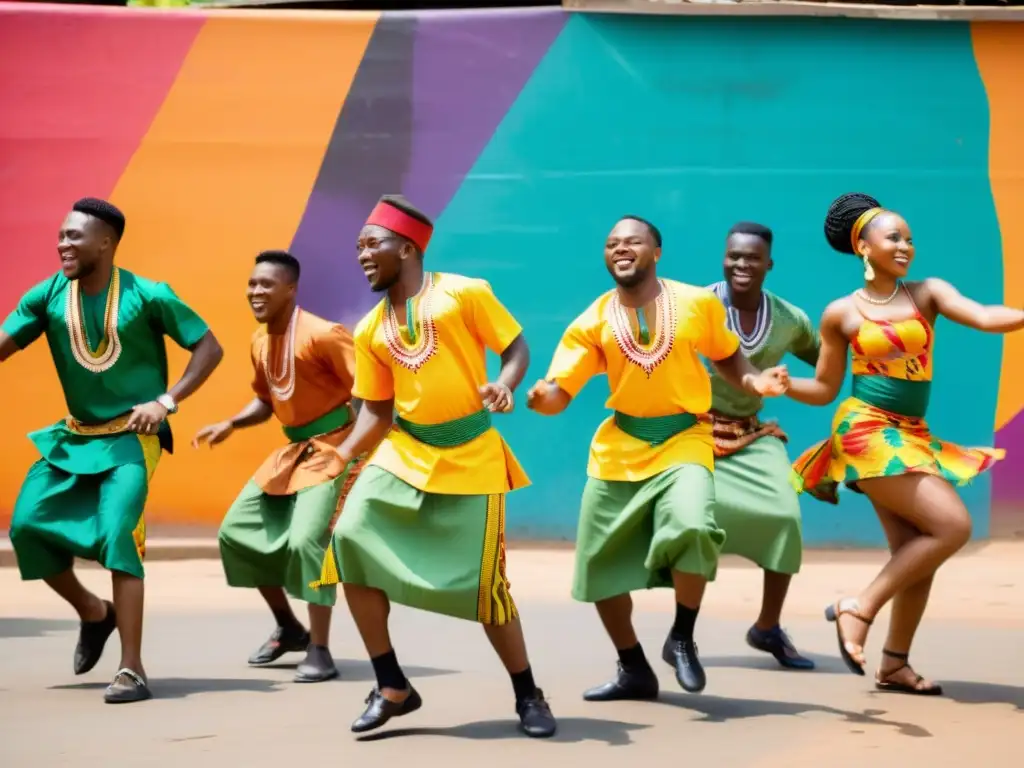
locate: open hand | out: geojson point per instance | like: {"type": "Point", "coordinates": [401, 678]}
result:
{"type": "Point", "coordinates": [146, 418]}
{"type": "Point", "coordinates": [772, 382]}
{"type": "Point", "coordinates": [213, 434]}
{"type": "Point", "coordinates": [496, 397]}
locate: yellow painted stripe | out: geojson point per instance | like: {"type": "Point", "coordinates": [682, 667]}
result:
{"type": "Point", "coordinates": [999, 52]}
{"type": "Point", "coordinates": [225, 172]}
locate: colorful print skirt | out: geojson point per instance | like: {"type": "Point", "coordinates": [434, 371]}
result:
{"type": "Point", "coordinates": [868, 442]}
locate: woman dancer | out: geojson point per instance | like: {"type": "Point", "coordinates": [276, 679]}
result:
{"type": "Point", "coordinates": [880, 444]}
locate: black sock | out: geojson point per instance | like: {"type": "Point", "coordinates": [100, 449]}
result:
{"type": "Point", "coordinates": [523, 685]}
{"type": "Point", "coordinates": [686, 619]}
{"type": "Point", "coordinates": [286, 620]}
{"type": "Point", "coordinates": [633, 658]}
{"type": "Point", "coordinates": [389, 674]}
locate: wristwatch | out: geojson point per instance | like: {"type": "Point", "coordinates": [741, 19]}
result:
{"type": "Point", "coordinates": [168, 402]}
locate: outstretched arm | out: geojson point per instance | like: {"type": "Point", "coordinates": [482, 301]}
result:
{"type": "Point", "coordinates": [744, 376]}
{"type": "Point", "coordinates": [256, 412]}
{"type": "Point", "coordinates": [949, 302]}
{"type": "Point", "coordinates": [831, 368]}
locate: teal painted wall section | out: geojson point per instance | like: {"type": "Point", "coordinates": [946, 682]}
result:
{"type": "Point", "coordinates": [695, 124]}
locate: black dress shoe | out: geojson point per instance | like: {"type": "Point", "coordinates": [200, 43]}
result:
{"type": "Point", "coordinates": [379, 710]}
{"type": "Point", "coordinates": [317, 667]}
{"type": "Point", "coordinates": [627, 685]}
{"type": "Point", "coordinates": [535, 718]}
{"type": "Point", "coordinates": [681, 655]}
{"type": "Point", "coordinates": [280, 642]}
{"type": "Point", "coordinates": [92, 638]}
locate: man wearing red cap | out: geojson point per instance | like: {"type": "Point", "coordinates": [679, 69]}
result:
{"type": "Point", "coordinates": [424, 525]}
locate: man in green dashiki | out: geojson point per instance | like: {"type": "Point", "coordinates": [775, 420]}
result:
{"type": "Point", "coordinates": [755, 503]}
{"type": "Point", "coordinates": [85, 497]}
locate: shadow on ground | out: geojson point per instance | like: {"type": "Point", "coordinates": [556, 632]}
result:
{"type": "Point", "coordinates": [966, 692]}
{"type": "Point", "coordinates": [828, 665]}
{"type": "Point", "coordinates": [355, 671]}
{"type": "Point", "coordinates": [571, 730]}
{"type": "Point", "coordinates": [721, 710]}
{"type": "Point", "coordinates": [183, 687]}
{"type": "Point", "coordinates": [19, 627]}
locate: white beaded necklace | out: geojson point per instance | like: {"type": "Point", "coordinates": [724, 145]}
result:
{"type": "Point", "coordinates": [872, 300]}
{"type": "Point", "coordinates": [282, 382]}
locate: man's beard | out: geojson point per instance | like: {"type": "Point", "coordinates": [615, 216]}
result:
{"type": "Point", "coordinates": [384, 285]}
{"type": "Point", "coordinates": [630, 281]}
{"type": "Point", "coordinates": [84, 270]}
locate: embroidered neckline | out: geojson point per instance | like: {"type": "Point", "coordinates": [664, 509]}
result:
{"type": "Point", "coordinates": [282, 382]}
{"type": "Point", "coordinates": [415, 356]}
{"type": "Point", "coordinates": [649, 357]}
{"type": "Point", "coordinates": [108, 351]}
{"type": "Point", "coordinates": [755, 340]}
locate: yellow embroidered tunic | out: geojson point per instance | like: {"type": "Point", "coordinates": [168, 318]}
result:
{"type": "Point", "coordinates": [436, 378]}
{"type": "Point", "coordinates": [661, 378]}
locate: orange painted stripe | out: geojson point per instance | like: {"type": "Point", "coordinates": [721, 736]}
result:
{"type": "Point", "coordinates": [999, 52]}
{"type": "Point", "coordinates": [223, 173]}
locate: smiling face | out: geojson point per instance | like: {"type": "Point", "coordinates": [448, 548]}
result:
{"type": "Point", "coordinates": [630, 252]}
{"type": "Point", "coordinates": [381, 252]}
{"type": "Point", "coordinates": [888, 245]}
{"type": "Point", "coordinates": [747, 261]}
{"type": "Point", "coordinates": [82, 243]}
{"type": "Point", "coordinates": [271, 292]}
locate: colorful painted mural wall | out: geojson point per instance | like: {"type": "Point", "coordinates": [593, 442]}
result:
{"type": "Point", "coordinates": [526, 134]}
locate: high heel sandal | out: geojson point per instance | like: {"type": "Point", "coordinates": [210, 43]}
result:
{"type": "Point", "coordinates": [884, 683]}
{"type": "Point", "coordinates": [832, 613]}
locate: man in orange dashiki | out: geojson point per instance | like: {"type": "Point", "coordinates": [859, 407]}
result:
{"type": "Point", "coordinates": [647, 513]}
{"type": "Point", "coordinates": [274, 535]}
{"type": "Point", "coordinates": [425, 523]}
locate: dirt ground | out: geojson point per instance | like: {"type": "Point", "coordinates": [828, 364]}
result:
{"type": "Point", "coordinates": [211, 708]}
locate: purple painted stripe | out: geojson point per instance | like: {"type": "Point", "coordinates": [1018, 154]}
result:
{"type": "Point", "coordinates": [1007, 479]}
{"type": "Point", "coordinates": [429, 94]}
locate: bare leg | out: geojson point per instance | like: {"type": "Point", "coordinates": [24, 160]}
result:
{"type": "Point", "coordinates": [320, 624]}
{"type": "Point", "coordinates": [616, 615]}
{"type": "Point", "coordinates": [510, 645]}
{"type": "Point", "coordinates": [776, 587]}
{"type": "Point", "coordinates": [129, 601]}
{"type": "Point", "coordinates": [370, 609]}
{"type": "Point", "coordinates": [689, 588]}
{"type": "Point", "coordinates": [88, 606]}
{"type": "Point", "coordinates": [908, 607]}
{"type": "Point", "coordinates": [932, 506]}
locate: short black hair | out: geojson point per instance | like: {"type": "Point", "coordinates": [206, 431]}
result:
{"type": "Point", "coordinates": [655, 232]}
{"type": "Point", "coordinates": [282, 259]}
{"type": "Point", "coordinates": [106, 212]}
{"type": "Point", "coordinates": [752, 228]}
{"type": "Point", "coordinates": [842, 215]}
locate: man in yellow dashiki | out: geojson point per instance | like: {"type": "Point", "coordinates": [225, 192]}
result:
{"type": "Point", "coordinates": [274, 536]}
{"type": "Point", "coordinates": [881, 444]}
{"type": "Point", "coordinates": [424, 525]}
{"type": "Point", "coordinates": [647, 513]}
{"type": "Point", "coordinates": [85, 497]}
{"type": "Point", "coordinates": [755, 503]}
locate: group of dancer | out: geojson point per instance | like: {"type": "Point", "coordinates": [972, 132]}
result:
{"type": "Point", "coordinates": [393, 479]}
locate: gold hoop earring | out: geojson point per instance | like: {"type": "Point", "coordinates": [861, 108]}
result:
{"type": "Point", "coordinates": [869, 271]}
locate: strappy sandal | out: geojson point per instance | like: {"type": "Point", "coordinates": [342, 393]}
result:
{"type": "Point", "coordinates": [885, 683]}
{"type": "Point", "coordinates": [832, 613]}
{"type": "Point", "coordinates": [126, 688]}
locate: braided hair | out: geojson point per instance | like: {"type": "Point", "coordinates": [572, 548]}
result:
{"type": "Point", "coordinates": [842, 215]}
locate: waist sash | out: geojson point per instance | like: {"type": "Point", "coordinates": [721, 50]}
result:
{"type": "Point", "coordinates": [899, 396]}
{"type": "Point", "coordinates": [329, 422]}
{"type": "Point", "coordinates": [654, 429]}
{"type": "Point", "coordinates": [448, 434]}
